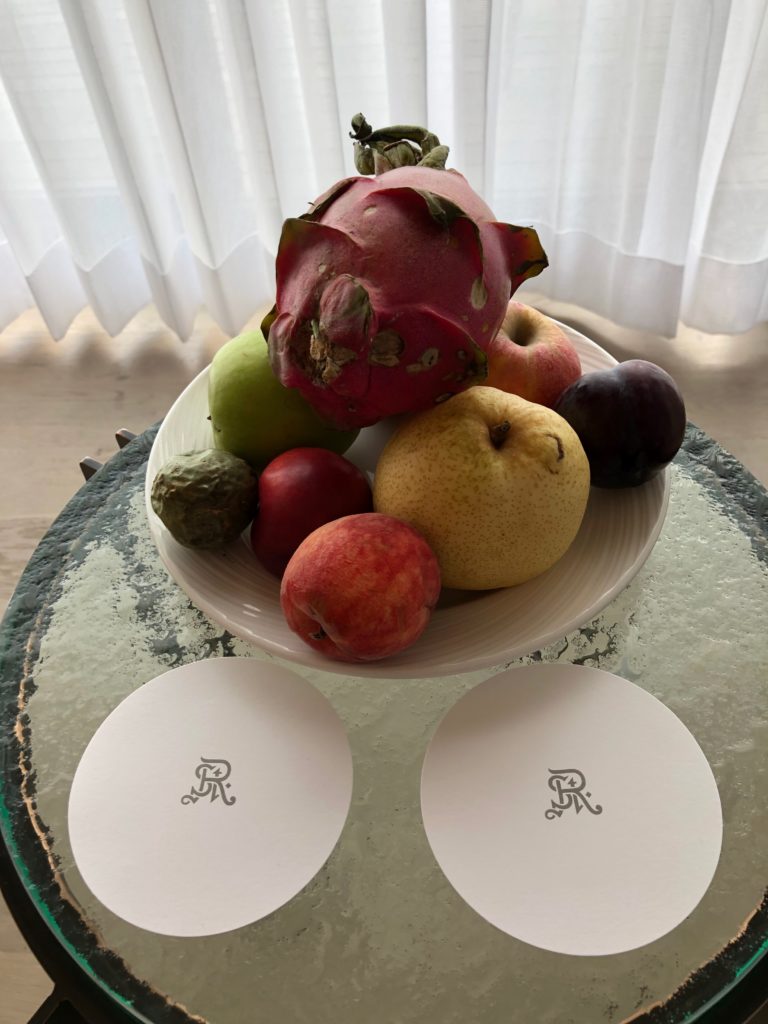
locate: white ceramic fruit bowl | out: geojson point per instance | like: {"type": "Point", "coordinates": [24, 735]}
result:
{"type": "Point", "coordinates": [468, 630]}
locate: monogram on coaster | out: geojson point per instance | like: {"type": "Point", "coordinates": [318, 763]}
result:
{"type": "Point", "coordinates": [569, 787]}
{"type": "Point", "coordinates": [225, 761]}
{"type": "Point", "coordinates": [212, 774]}
{"type": "Point", "coordinates": [571, 809]}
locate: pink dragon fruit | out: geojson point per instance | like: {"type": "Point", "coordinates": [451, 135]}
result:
{"type": "Point", "coordinates": [391, 288]}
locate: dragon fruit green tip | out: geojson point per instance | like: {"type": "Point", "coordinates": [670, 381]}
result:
{"type": "Point", "coordinates": [392, 285]}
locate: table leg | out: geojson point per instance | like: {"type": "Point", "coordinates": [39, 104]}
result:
{"type": "Point", "coordinates": [56, 1010]}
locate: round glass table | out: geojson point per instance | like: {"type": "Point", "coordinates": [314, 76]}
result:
{"type": "Point", "coordinates": [379, 935]}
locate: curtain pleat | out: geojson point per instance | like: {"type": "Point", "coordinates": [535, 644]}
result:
{"type": "Point", "coordinates": [150, 150]}
{"type": "Point", "coordinates": [726, 275]}
{"type": "Point", "coordinates": [15, 295]}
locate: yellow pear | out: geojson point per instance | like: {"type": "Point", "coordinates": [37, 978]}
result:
{"type": "Point", "coordinates": [497, 485]}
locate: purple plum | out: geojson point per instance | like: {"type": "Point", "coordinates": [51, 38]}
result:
{"type": "Point", "coordinates": [630, 420]}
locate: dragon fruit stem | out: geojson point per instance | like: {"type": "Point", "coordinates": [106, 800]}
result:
{"type": "Point", "coordinates": [399, 145]}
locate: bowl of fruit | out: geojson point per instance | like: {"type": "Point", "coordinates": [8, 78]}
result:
{"type": "Point", "coordinates": [405, 472]}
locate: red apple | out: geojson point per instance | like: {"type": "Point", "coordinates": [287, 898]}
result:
{"type": "Point", "coordinates": [361, 588]}
{"type": "Point", "coordinates": [299, 491]}
{"type": "Point", "coordinates": [531, 356]}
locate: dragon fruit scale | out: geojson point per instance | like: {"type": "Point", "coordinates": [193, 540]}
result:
{"type": "Point", "coordinates": [390, 288]}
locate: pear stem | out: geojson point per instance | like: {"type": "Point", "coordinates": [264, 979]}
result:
{"type": "Point", "coordinates": [499, 433]}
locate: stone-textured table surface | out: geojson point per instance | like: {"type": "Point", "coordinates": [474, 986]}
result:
{"type": "Point", "coordinates": [379, 936]}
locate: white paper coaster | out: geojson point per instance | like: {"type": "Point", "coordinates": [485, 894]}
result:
{"type": "Point", "coordinates": [571, 809]}
{"type": "Point", "coordinates": [210, 796]}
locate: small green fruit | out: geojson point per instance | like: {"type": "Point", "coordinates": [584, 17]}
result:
{"type": "Point", "coordinates": [253, 415]}
{"type": "Point", "coordinates": [205, 499]}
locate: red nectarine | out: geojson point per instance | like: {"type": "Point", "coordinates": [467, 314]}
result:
{"type": "Point", "coordinates": [361, 588]}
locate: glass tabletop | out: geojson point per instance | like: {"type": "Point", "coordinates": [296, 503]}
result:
{"type": "Point", "coordinates": [379, 935]}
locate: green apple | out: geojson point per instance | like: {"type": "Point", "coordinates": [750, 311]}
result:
{"type": "Point", "coordinates": [253, 415]}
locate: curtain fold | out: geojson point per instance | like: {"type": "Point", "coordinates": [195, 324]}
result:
{"type": "Point", "coordinates": [150, 150]}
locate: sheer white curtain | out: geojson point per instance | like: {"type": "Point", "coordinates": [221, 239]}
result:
{"type": "Point", "coordinates": [150, 149]}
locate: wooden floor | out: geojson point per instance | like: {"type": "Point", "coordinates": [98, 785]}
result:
{"type": "Point", "coordinates": [62, 401]}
